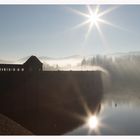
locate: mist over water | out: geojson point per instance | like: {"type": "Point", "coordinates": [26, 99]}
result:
{"type": "Point", "coordinates": [120, 75]}
{"type": "Point", "coordinates": [121, 72]}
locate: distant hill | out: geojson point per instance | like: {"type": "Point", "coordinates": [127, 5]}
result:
{"type": "Point", "coordinates": [60, 58]}
{"type": "Point", "coordinates": [121, 54]}
{"type": "Point", "coordinates": [6, 62]}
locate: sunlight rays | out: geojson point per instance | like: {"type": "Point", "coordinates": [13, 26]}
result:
{"type": "Point", "coordinates": [108, 11]}
{"type": "Point", "coordinates": [103, 39]}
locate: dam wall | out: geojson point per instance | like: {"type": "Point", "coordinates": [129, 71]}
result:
{"type": "Point", "coordinates": [50, 102]}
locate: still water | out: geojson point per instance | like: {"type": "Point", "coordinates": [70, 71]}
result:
{"type": "Point", "coordinates": [118, 115]}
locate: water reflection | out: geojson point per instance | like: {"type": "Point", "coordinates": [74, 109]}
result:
{"type": "Point", "coordinates": [121, 120]}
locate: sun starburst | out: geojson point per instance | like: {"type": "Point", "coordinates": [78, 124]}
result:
{"type": "Point", "coordinates": [94, 18]}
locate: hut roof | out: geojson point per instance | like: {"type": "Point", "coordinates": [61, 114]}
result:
{"type": "Point", "coordinates": [32, 60]}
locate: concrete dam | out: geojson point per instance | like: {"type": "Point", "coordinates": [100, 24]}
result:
{"type": "Point", "coordinates": [49, 102]}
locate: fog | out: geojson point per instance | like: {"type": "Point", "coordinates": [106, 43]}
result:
{"type": "Point", "coordinates": [120, 74]}
{"type": "Point", "coordinates": [120, 71]}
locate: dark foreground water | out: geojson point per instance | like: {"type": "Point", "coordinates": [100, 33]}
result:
{"type": "Point", "coordinates": [119, 115]}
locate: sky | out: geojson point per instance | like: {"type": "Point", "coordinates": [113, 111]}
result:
{"type": "Point", "coordinates": [51, 30]}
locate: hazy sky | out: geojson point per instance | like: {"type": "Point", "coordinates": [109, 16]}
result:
{"type": "Point", "coordinates": [48, 30]}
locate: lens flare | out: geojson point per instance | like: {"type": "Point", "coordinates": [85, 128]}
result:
{"type": "Point", "coordinates": [92, 122]}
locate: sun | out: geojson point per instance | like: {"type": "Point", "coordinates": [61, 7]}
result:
{"type": "Point", "coordinates": [94, 18]}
